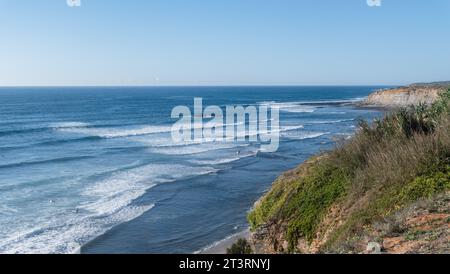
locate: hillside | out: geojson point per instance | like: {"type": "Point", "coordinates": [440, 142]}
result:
{"type": "Point", "coordinates": [385, 190]}
{"type": "Point", "coordinates": [409, 95]}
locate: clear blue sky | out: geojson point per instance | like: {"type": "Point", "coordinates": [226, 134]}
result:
{"type": "Point", "coordinates": [223, 42]}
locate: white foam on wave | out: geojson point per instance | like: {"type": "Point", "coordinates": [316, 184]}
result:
{"type": "Point", "coordinates": [294, 107]}
{"type": "Point", "coordinates": [108, 202]}
{"type": "Point", "coordinates": [248, 133]}
{"type": "Point", "coordinates": [62, 125]}
{"type": "Point", "coordinates": [331, 121]}
{"type": "Point", "coordinates": [119, 189]}
{"type": "Point", "coordinates": [289, 128]}
{"type": "Point", "coordinates": [224, 160]}
{"type": "Point", "coordinates": [192, 149]}
{"type": "Point", "coordinates": [202, 145]}
{"type": "Point", "coordinates": [117, 132]}
{"type": "Point", "coordinates": [299, 109]}
{"type": "Point", "coordinates": [305, 135]}
{"type": "Point", "coordinates": [120, 132]}
{"type": "Point", "coordinates": [319, 102]}
{"type": "Point", "coordinates": [335, 112]}
{"type": "Point", "coordinates": [165, 140]}
{"type": "Point", "coordinates": [67, 236]}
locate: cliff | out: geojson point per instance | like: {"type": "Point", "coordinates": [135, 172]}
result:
{"type": "Point", "coordinates": [408, 95]}
{"type": "Point", "coordinates": [385, 190]}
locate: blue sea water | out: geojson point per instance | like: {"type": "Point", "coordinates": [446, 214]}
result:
{"type": "Point", "coordinates": [94, 170]}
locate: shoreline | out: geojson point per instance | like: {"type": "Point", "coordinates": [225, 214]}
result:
{"type": "Point", "coordinates": [220, 247]}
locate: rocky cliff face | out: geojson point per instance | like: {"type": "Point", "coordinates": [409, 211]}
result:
{"type": "Point", "coordinates": [405, 96]}
{"type": "Point", "coordinates": [420, 228]}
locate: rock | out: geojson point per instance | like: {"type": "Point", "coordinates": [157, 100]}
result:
{"type": "Point", "coordinates": [373, 248]}
{"type": "Point", "coordinates": [405, 96]}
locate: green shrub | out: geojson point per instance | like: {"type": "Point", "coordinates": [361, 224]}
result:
{"type": "Point", "coordinates": [320, 190]}
{"type": "Point", "coordinates": [240, 247]}
{"type": "Point", "coordinates": [270, 204]}
{"type": "Point", "coordinates": [394, 197]}
{"type": "Point", "coordinates": [425, 186]}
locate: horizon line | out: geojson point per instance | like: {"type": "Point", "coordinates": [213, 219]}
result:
{"type": "Point", "coordinates": [200, 85]}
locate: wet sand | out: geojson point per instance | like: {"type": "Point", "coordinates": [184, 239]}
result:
{"type": "Point", "coordinates": [221, 246]}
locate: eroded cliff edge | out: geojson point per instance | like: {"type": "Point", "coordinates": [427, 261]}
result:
{"type": "Point", "coordinates": [408, 95]}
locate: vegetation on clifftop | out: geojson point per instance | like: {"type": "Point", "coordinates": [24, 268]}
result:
{"type": "Point", "coordinates": [386, 166]}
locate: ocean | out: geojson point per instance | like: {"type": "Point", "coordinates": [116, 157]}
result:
{"type": "Point", "coordinates": [94, 170]}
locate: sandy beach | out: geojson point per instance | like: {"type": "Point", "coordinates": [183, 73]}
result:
{"type": "Point", "coordinates": [221, 246]}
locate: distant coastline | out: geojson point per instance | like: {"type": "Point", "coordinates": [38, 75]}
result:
{"type": "Point", "coordinates": [413, 94]}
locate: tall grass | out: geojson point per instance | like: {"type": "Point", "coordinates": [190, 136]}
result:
{"type": "Point", "coordinates": [388, 163]}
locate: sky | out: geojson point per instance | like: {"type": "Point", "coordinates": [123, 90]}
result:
{"type": "Point", "coordinates": [223, 42]}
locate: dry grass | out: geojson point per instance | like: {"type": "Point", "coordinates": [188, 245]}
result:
{"type": "Point", "coordinates": [367, 174]}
